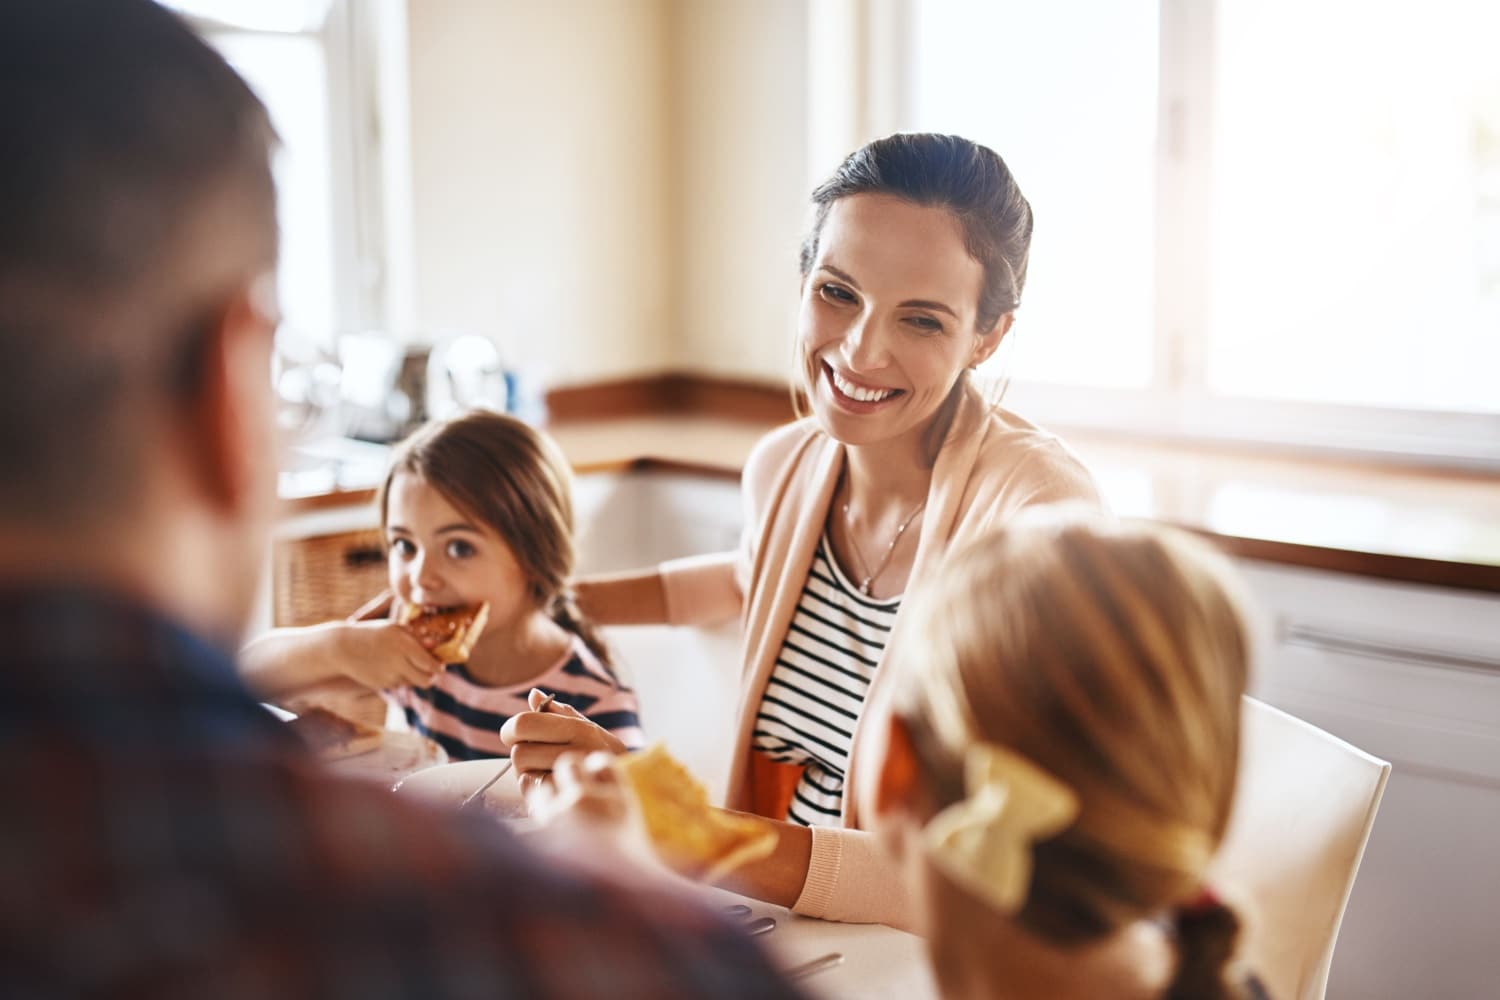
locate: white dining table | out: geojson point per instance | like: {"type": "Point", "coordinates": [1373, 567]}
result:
{"type": "Point", "coordinates": [878, 961]}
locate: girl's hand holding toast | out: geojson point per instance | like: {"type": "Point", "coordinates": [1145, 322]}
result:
{"type": "Point", "coordinates": [382, 654]}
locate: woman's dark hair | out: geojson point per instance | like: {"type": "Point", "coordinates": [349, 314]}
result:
{"type": "Point", "coordinates": [509, 476]}
{"type": "Point", "coordinates": [951, 172]}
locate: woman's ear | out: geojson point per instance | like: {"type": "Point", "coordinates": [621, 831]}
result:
{"type": "Point", "coordinates": [989, 342]}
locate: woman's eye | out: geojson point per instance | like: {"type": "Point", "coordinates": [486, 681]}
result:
{"type": "Point", "coordinates": [835, 293]}
{"type": "Point", "coordinates": [460, 549]}
{"type": "Point", "coordinates": [403, 548]}
{"type": "Point", "coordinates": [926, 324]}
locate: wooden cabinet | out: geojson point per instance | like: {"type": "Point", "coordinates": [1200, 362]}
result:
{"type": "Point", "coordinates": [1412, 674]}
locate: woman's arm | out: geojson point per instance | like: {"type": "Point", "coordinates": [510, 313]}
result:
{"type": "Point", "coordinates": [377, 654]}
{"type": "Point", "coordinates": [636, 597]}
{"type": "Point", "coordinates": [698, 590]}
{"type": "Point", "coordinates": [830, 873]}
{"type": "Point", "coordinates": [777, 878]}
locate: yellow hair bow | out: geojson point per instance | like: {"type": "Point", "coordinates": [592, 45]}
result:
{"type": "Point", "coordinates": [984, 841]}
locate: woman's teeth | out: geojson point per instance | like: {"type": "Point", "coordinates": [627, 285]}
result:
{"type": "Point", "coordinates": [859, 392]}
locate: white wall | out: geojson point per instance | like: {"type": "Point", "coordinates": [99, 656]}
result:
{"type": "Point", "coordinates": [740, 107]}
{"type": "Point", "coordinates": [539, 196]}
{"type": "Point", "coordinates": [610, 187]}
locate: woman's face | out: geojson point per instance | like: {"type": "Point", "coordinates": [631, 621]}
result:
{"type": "Point", "coordinates": [888, 317]}
{"type": "Point", "coordinates": [439, 557]}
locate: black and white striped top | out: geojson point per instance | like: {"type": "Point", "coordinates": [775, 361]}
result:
{"type": "Point", "coordinates": [817, 688]}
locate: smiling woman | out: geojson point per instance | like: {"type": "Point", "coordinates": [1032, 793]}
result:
{"type": "Point", "coordinates": [911, 276]}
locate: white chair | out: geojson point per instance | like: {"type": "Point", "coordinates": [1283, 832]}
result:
{"type": "Point", "coordinates": [1303, 810]}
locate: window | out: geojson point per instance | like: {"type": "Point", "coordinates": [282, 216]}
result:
{"type": "Point", "coordinates": [1272, 220]}
{"type": "Point", "coordinates": [304, 60]}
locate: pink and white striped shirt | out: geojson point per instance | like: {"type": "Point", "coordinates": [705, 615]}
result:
{"type": "Point", "coordinates": [464, 716]}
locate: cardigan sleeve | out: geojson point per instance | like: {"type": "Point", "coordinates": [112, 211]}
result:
{"type": "Point", "coordinates": [702, 590]}
{"type": "Point", "coordinates": [852, 879]}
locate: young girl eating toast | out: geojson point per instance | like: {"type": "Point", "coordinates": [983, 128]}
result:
{"type": "Point", "coordinates": [476, 512]}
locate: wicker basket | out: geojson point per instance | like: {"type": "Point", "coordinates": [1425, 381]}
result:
{"type": "Point", "coordinates": [326, 577]}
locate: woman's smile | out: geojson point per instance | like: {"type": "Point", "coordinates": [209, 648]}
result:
{"type": "Point", "coordinates": [855, 394]}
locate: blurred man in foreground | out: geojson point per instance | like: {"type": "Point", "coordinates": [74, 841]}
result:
{"type": "Point", "coordinates": [161, 836]}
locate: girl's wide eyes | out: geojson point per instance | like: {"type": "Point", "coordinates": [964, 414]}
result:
{"type": "Point", "coordinates": [835, 293]}
{"type": "Point", "coordinates": [403, 547]}
{"type": "Point", "coordinates": [460, 549]}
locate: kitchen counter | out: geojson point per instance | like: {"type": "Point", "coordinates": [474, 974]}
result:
{"type": "Point", "coordinates": [1413, 525]}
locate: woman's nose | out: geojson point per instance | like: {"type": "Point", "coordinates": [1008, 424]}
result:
{"type": "Point", "coordinates": [864, 346]}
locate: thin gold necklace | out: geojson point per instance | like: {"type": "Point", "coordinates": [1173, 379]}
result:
{"type": "Point", "coordinates": [870, 575]}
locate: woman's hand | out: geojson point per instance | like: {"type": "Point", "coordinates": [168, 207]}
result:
{"type": "Point", "coordinates": [538, 738]}
{"type": "Point", "coordinates": [382, 654]}
{"type": "Point", "coordinates": [587, 810]}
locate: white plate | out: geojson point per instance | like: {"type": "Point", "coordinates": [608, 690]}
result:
{"type": "Point", "coordinates": [447, 785]}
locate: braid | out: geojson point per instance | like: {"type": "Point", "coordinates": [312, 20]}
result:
{"type": "Point", "coordinates": [565, 612]}
{"type": "Point", "coordinates": [1206, 931]}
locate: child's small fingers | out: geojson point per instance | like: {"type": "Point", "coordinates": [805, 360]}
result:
{"type": "Point", "coordinates": [420, 673]}
{"type": "Point", "coordinates": [530, 757]}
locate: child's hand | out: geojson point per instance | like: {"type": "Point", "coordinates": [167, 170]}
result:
{"type": "Point", "coordinates": [382, 654]}
{"type": "Point", "coordinates": [537, 739]}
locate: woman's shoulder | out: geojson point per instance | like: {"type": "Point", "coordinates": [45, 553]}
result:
{"type": "Point", "coordinates": [775, 449]}
{"type": "Point", "coordinates": [1019, 444]}
{"type": "Point", "coordinates": [1033, 460]}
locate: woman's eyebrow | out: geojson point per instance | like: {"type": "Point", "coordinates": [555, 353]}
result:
{"type": "Point", "coordinates": [928, 304]}
{"type": "Point", "coordinates": [843, 276]}
{"type": "Point", "coordinates": [848, 279]}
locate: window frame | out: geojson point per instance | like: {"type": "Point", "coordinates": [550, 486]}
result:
{"type": "Point", "coordinates": [350, 39]}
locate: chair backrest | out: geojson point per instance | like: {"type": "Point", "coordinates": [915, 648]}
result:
{"type": "Point", "coordinates": [1304, 806]}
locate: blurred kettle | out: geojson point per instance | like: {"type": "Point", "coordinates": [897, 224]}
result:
{"type": "Point", "coordinates": [466, 372]}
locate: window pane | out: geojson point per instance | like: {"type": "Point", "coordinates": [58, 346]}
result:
{"type": "Point", "coordinates": [1356, 207]}
{"type": "Point", "coordinates": [259, 15]}
{"type": "Point", "coordinates": [289, 75]}
{"type": "Point", "coordinates": [1066, 93]}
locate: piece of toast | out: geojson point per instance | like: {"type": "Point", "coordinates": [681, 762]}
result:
{"type": "Point", "coordinates": [330, 736]}
{"type": "Point", "coordinates": [694, 838]}
{"type": "Point", "coordinates": [449, 634]}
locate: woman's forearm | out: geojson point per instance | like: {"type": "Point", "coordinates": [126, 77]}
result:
{"type": "Point", "coordinates": [777, 878]}
{"type": "Point", "coordinates": [637, 597]}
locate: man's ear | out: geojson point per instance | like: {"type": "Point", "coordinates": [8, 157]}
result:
{"type": "Point", "coordinates": [233, 432]}
{"type": "Point", "coordinates": [989, 342]}
{"type": "Point", "coordinates": [900, 780]}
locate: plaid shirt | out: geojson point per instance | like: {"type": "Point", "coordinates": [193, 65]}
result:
{"type": "Point", "coordinates": [162, 837]}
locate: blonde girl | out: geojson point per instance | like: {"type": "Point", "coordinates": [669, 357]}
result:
{"type": "Point", "coordinates": [474, 509]}
{"type": "Point", "coordinates": [1061, 760]}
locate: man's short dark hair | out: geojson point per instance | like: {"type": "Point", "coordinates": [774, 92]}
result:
{"type": "Point", "coordinates": [133, 157]}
